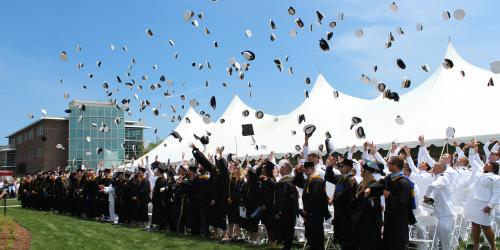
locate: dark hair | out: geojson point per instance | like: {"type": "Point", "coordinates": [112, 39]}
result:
{"type": "Point", "coordinates": [397, 162]}
{"type": "Point", "coordinates": [495, 166]}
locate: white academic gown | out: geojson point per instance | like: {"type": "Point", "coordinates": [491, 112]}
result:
{"type": "Point", "coordinates": [440, 191]}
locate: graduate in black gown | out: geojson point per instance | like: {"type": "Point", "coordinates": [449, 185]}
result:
{"type": "Point", "coordinates": [201, 200]}
{"type": "Point", "coordinates": [160, 216]}
{"type": "Point", "coordinates": [315, 203]}
{"type": "Point", "coordinates": [343, 201]}
{"type": "Point", "coordinates": [398, 213]}
{"type": "Point", "coordinates": [103, 197]}
{"type": "Point", "coordinates": [268, 182]}
{"type": "Point", "coordinates": [286, 206]}
{"type": "Point", "coordinates": [367, 211]}
{"type": "Point", "coordinates": [90, 192]}
{"type": "Point", "coordinates": [233, 201]}
{"type": "Point", "coordinates": [218, 184]}
{"type": "Point", "coordinates": [141, 198]}
{"type": "Point", "coordinates": [251, 199]}
{"type": "Point", "coordinates": [62, 193]}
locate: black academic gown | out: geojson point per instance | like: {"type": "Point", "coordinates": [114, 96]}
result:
{"type": "Point", "coordinates": [315, 202]}
{"type": "Point", "coordinates": [251, 199]}
{"type": "Point", "coordinates": [62, 193]}
{"type": "Point", "coordinates": [343, 201]}
{"type": "Point", "coordinates": [103, 198]}
{"type": "Point", "coordinates": [143, 191]}
{"type": "Point", "coordinates": [90, 192]}
{"type": "Point", "coordinates": [269, 213]}
{"type": "Point", "coordinates": [367, 218]}
{"type": "Point", "coordinates": [201, 202]}
{"type": "Point", "coordinates": [218, 185]}
{"type": "Point", "coordinates": [398, 213]}
{"type": "Point", "coordinates": [286, 207]}
{"type": "Point", "coordinates": [233, 201]}
{"type": "Point", "coordinates": [160, 216]}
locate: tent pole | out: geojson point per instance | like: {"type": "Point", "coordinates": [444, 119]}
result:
{"type": "Point", "coordinates": [445, 145]}
{"type": "Point", "coordinates": [236, 144]}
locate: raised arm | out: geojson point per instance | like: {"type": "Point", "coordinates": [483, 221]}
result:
{"type": "Point", "coordinates": [423, 154]}
{"type": "Point", "coordinates": [201, 159]}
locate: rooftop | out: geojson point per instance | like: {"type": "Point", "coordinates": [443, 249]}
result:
{"type": "Point", "coordinates": [35, 122]}
{"type": "Point", "coordinates": [91, 103]}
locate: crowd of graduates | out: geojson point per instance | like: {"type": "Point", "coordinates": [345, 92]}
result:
{"type": "Point", "coordinates": [220, 197]}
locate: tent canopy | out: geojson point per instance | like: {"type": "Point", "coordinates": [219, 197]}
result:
{"type": "Point", "coordinates": [445, 99]}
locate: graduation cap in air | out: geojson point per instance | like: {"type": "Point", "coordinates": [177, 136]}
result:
{"type": "Point", "coordinates": [450, 132]}
{"type": "Point", "coordinates": [176, 135]}
{"type": "Point", "coordinates": [447, 63]}
{"type": "Point", "coordinates": [291, 11]}
{"type": "Point", "coordinates": [419, 27]}
{"type": "Point", "coordinates": [149, 32]}
{"type": "Point", "coordinates": [99, 150]}
{"type": "Point", "coordinates": [309, 129]}
{"type": "Point", "coordinates": [406, 83]}
{"type": "Point", "coordinates": [213, 102]}
{"type": "Point", "coordinates": [490, 82]}
{"type": "Point", "coordinates": [393, 7]}
{"type": "Point", "coordinates": [356, 120]}
{"type": "Point", "coordinates": [301, 118]}
{"type": "Point", "coordinates": [63, 55]}
{"type": "Point", "coordinates": [446, 15]}
{"type": "Point", "coordinates": [323, 44]}
{"type": "Point", "coordinates": [204, 139]}
{"type": "Point", "coordinates": [401, 64]}
{"type": "Point", "coordinates": [299, 23]}
{"type": "Point", "coordinates": [360, 133]}
{"type": "Point", "coordinates": [247, 130]}
{"type": "Point", "coordinates": [259, 114]}
{"type": "Point", "coordinates": [245, 113]}
{"type": "Point", "coordinates": [459, 14]}
{"type": "Point", "coordinates": [426, 68]}
{"type": "Point", "coordinates": [248, 55]}
{"type": "Point", "coordinates": [399, 120]}
{"type": "Point", "coordinates": [272, 24]}
{"type": "Point", "coordinates": [43, 138]}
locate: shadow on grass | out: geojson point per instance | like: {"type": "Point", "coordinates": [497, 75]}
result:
{"type": "Point", "coordinates": [56, 231]}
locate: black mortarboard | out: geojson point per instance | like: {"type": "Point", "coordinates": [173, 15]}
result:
{"type": "Point", "coordinates": [247, 129]}
{"type": "Point", "coordinates": [447, 63]}
{"type": "Point", "coordinates": [245, 113]}
{"type": "Point", "coordinates": [401, 64]}
{"type": "Point", "coordinates": [323, 44]}
{"type": "Point", "coordinates": [360, 133]}
{"type": "Point", "coordinates": [176, 135]}
{"type": "Point", "coordinates": [141, 169]}
{"type": "Point", "coordinates": [291, 10]}
{"type": "Point", "coordinates": [213, 102]}
{"type": "Point", "coordinates": [301, 118]}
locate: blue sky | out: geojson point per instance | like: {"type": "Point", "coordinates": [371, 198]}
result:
{"type": "Point", "coordinates": [33, 33]}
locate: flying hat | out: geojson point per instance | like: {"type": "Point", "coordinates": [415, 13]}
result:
{"type": "Point", "coordinates": [309, 129]}
{"type": "Point", "coordinates": [247, 130]}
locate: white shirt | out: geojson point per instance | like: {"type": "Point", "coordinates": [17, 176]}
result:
{"type": "Point", "coordinates": [440, 190]}
{"type": "Point", "coordinates": [421, 178]}
{"type": "Point", "coordinates": [485, 186]}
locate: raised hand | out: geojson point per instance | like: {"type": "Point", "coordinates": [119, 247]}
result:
{"type": "Point", "coordinates": [421, 139]}
{"type": "Point", "coordinates": [407, 151]}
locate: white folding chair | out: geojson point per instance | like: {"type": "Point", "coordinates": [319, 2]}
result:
{"type": "Point", "coordinates": [300, 232]}
{"type": "Point", "coordinates": [458, 212]}
{"type": "Point", "coordinates": [430, 225]}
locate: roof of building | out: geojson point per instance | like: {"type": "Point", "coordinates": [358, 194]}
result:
{"type": "Point", "coordinates": [36, 122]}
{"type": "Point", "coordinates": [91, 103]}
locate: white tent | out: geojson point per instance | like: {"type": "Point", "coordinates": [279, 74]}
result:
{"type": "Point", "coordinates": [445, 99]}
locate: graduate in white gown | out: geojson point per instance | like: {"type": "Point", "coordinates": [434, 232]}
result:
{"type": "Point", "coordinates": [438, 193]}
{"type": "Point", "coordinates": [484, 184]}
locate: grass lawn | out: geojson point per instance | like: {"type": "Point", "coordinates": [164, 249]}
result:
{"type": "Point", "coordinates": [52, 231]}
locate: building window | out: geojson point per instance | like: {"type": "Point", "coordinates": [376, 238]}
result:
{"type": "Point", "coordinates": [29, 135]}
{"type": "Point", "coordinates": [19, 139]}
{"type": "Point", "coordinates": [39, 152]}
{"type": "Point", "coordinates": [40, 130]}
{"type": "Point", "coordinates": [30, 155]}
